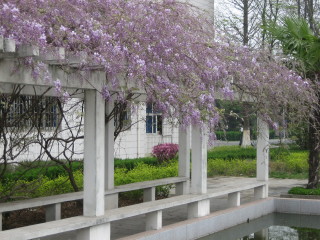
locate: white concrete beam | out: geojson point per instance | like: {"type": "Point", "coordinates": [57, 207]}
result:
{"type": "Point", "coordinates": [28, 51]}
{"type": "Point", "coordinates": [55, 54]}
{"type": "Point", "coordinates": [199, 160]}
{"type": "Point", "coordinates": [262, 150]}
{"type": "Point", "coordinates": [94, 154]}
{"type": "Point", "coordinates": [9, 45]}
{"type": "Point", "coordinates": [184, 160]}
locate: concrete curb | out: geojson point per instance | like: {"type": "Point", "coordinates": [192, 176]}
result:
{"type": "Point", "coordinates": [317, 197]}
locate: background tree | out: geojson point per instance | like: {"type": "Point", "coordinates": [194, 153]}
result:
{"type": "Point", "coordinates": [300, 44]}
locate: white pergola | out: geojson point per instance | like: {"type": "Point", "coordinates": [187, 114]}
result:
{"type": "Point", "coordinates": [99, 148]}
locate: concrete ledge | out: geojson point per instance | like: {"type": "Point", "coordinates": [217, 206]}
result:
{"type": "Point", "coordinates": [298, 206]}
{"type": "Point", "coordinates": [300, 196]}
{"type": "Point", "coordinates": [76, 223]}
{"type": "Point", "coordinates": [147, 184]}
{"type": "Point", "coordinates": [198, 227]}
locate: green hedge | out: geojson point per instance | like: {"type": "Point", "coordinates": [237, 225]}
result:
{"type": "Point", "coordinates": [236, 135]}
{"type": "Point", "coordinates": [232, 152]}
{"type": "Point", "coordinates": [28, 171]}
{"type": "Point", "coordinates": [304, 191]}
{"type": "Point", "coordinates": [47, 169]}
{"type": "Point", "coordinates": [235, 167]}
{"type": "Point", "coordinates": [132, 163]}
{"type": "Point", "coordinates": [43, 186]}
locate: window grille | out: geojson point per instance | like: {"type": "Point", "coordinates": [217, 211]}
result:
{"type": "Point", "coordinates": [30, 111]}
{"type": "Point", "coordinates": [153, 120]}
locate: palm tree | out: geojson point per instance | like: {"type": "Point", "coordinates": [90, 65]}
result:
{"type": "Point", "coordinates": [300, 44]}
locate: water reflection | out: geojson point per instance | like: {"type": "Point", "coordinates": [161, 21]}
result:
{"type": "Point", "coordinates": [273, 227]}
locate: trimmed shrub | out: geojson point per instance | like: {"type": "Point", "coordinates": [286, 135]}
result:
{"type": "Point", "coordinates": [304, 191]}
{"type": "Point", "coordinates": [232, 152]}
{"type": "Point", "coordinates": [48, 169]}
{"type": "Point", "coordinates": [236, 135]}
{"type": "Point", "coordinates": [165, 152]}
{"type": "Point", "coordinates": [143, 172]}
{"type": "Point", "coordinates": [235, 167]}
{"type": "Point", "coordinates": [132, 163]}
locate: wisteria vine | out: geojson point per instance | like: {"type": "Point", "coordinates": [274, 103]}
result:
{"type": "Point", "coordinates": [164, 47]}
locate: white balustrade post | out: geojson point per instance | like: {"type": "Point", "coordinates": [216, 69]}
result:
{"type": "Point", "coordinates": [263, 152]}
{"type": "Point", "coordinates": [154, 220]}
{"type": "Point", "coordinates": [94, 125]}
{"type": "Point", "coordinates": [260, 192]}
{"type": "Point", "coordinates": [199, 209]}
{"type": "Point", "coordinates": [53, 212]}
{"type": "Point", "coordinates": [234, 199]}
{"type": "Point", "coordinates": [95, 232]}
{"type": "Point", "coordinates": [149, 194]}
{"type": "Point", "coordinates": [111, 200]}
{"type": "Point", "coordinates": [184, 160]}
{"type": "Point", "coordinates": [199, 160]}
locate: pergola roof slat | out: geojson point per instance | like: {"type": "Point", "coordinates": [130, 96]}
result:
{"type": "Point", "coordinates": [28, 51]}
{"type": "Point", "coordinates": [1, 43]}
{"type": "Point", "coordinates": [9, 45]}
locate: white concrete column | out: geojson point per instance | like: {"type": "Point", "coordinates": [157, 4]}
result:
{"type": "Point", "coordinates": [0, 221]}
{"type": "Point", "coordinates": [149, 194]}
{"type": "Point", "coordinates": [53, 212]}
{"type": "Point", "coordinates": [94, 233]}
{"type": "Point", "coordinates": [111, 200]}
{"type": "Point", "coordinates": [234, 199]}
{"type": "Point", "coordinates": [199, 160]}
{"type": "Point", "coordinates": [184, 160]}
{"type": "Point", "coordinates": [262, 150]}
{"type": "Point", "coordinates": [94, 125]}
{"type": "Point", "coordinates": [199, 209]}
{"type": "Point", "coordinates": [154, 220]}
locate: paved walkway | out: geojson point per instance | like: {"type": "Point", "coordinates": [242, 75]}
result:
{"type": "Point", "coordinates": [135, 225]}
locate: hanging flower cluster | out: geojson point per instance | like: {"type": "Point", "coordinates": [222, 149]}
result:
{"type": "Point", "coordinates": [164, 47]}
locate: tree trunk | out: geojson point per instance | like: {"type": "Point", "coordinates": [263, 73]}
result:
{"type": "Point", "coordinates": [314, 149]}
{"type": "Point", "coordinates": [246, 141]}
{"type": "Point", "coordinates": [313, 161]}
{"type": "Point", "coordinates": [245, 22]}
{"type": "Point", "coordinates": [299, 8]}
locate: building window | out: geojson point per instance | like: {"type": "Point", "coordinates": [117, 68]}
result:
{"type": "Point", "coordinates": [153, 120]}
{"type": "Point", "coordinates": [30, 111]}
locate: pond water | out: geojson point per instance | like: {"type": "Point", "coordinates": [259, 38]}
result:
{"type": "Point", "coordinates": [276, 226]}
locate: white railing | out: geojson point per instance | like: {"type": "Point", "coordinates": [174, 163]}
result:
{"type": "Point", "coordinates": [152, 210]}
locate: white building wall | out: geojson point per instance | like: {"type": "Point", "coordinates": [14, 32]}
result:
{"type": "Point", "coordinates": [133, 143]}
{"type": "Point", "coordinates": [206, 5]}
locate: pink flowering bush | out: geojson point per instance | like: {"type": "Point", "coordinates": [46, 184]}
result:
{"type": "Point", "coordinates": [165, 152]}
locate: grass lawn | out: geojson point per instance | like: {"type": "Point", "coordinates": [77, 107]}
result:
{"type": "Point", "coordinates": [237, 161]}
